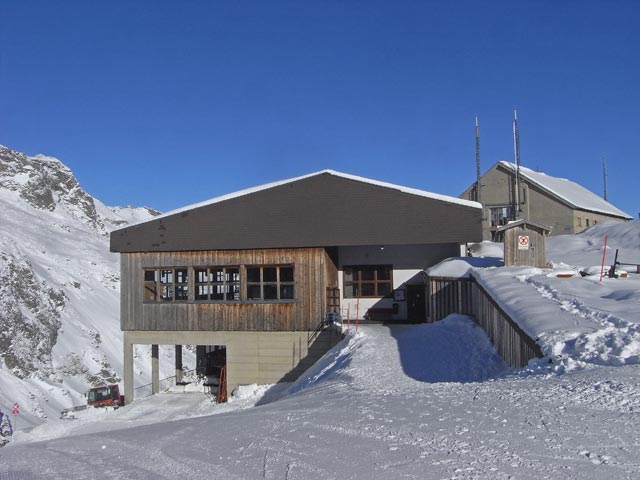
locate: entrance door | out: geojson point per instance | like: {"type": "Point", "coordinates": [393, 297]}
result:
{"type": "Point", "coordinates": [416, 307]}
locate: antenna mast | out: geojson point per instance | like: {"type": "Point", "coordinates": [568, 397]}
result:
{"type": "Point", "coordinates": [478, 185]}
{"type": "Point", "coordinates": [604, 172]}
{"type": "Point", "coordinates": [516, 154]}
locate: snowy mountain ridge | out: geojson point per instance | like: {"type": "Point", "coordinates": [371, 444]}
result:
{"type": "Point", "coordinates": [59, 285]}
{"type": "Point", "coordinates": [46, 183]}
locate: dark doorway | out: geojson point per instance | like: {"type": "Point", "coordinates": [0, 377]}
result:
{"type": "Point", "coordinates": [416, 308]}
{"type": "Point", "coordinates": [211, 366]}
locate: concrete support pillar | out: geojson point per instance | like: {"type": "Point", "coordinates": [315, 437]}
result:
{"type": "Point", "coordinates": [128, 370]}
{"type": "Point", "coordinates": [178, 363]}
{"type": "Point", "coordinates": [155, 370]}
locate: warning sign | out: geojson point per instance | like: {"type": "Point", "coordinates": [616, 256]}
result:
{"type": "Point", "coordinates": [523, 242]}
{"type": "Point", "coordinates": [16, 409]}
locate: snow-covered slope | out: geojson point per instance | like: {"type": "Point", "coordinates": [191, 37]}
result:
{"type": "Point", "coordinates": [59, 286]}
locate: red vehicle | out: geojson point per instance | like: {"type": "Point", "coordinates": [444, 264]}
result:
{"type": "Point", "coordinates": [105, 396]}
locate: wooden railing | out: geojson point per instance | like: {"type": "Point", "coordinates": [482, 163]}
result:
{"type": "Point", "coordinates": [466, 296]}
{"type": "Point", "coordinates": [446, 296]}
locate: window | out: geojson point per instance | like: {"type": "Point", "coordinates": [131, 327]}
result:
{"type": "Point", "coordinates": [501, 215]}
{"type": "Point", "coordinates": [270, 283]}
{"type": "Point", "coordinates": [587, 222]}
{"type": "Point", "coordinates": [166, 285]}
{"type": "Point", "coordinates": [579, 221]}
{"type": "Point", "coordinates": [217, 284]}
{"type": "Point", "coordinates": [368, 281]}
{"type": "Point", "coordinates": [150, 285]}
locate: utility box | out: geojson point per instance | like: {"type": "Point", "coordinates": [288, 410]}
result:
{"type": "Point", "coordinates": [524, 243]}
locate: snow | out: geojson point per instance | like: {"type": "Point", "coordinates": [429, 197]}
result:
{"type": "Point", "coordinates": [247, 191]}
{"type": "Point", "coordinates": [460, 267]}
{"type": "Point", "coordinates": [574, 194]}
{"type": "Point", "coordinates": [381, 408]}
{"type": "Point", "coordinates": [65, 253]}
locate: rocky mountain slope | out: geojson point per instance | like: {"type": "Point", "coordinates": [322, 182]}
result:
{"type": "Point", "coordinates": [59, 286]}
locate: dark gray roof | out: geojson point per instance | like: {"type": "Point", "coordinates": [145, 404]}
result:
{"type": "Point", "coordinates": [318, 210]}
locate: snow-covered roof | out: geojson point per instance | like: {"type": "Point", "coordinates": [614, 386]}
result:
{"type": "Point", "coordinates": [570, 192]}
{"type": "Point", "coordinates": [247, 191]}
{"type": "Point", "coordinates": [522, 221]}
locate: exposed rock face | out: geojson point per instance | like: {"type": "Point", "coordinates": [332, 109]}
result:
{"type": "Point", "coordinates": [30, 314]}
{"type": "Point", "coordinates": [45, 182]}
{"type": "Point", "coordinates": [59, 285]}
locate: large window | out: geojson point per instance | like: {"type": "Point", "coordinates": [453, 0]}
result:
{"type": "Point", "coordinates": [263, 283]}
{"type": "Point", "coordinates": [166, 285]}
{"type": "Point", "coordinates": [270, 283]}
{"type": "Point", "coordinates": [368, 281]}
{"type": "Point", "coordinates": [218, 284]}
{"type": "Point", "coordinates": [501, 215]}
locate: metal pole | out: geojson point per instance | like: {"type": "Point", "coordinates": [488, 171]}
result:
{"type": "Point", "coordinates": [478, 185]}
{"type": "Point", "coordinates": [516, 154]}
{"type": "Point", "coordinates": [604, 172]}
{"type": "Point", "coordinates": [604, 254]}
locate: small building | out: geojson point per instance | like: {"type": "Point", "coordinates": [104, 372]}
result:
{"type": "Point", "coordinates": [563, 205]}
{"type": "Point", "coordinates": [256, 272]}
{"type": "Point", "coordinates": [524, 243]}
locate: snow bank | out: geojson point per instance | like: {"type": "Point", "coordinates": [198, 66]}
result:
{"type": "Point", "coordinates": [454, 349]}
{"type": "Point", "coordinates": [460, 267]}
{"type": "Point", "coordinates": [331, 363]}
{"type": "Point", "coordinates": [577, 321]}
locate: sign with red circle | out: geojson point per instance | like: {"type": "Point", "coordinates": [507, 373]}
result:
{"type": "Point", "coordinates": [16, 409]}
{"type": "Point", "coordinates": [523, 242]}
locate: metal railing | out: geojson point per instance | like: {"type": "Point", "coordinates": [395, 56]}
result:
{"type": "Point", "coordinates": [164, 385]}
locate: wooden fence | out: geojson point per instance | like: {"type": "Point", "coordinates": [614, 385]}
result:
{"type": "Point", "coordinates": [466, 296]}
{"type": "Point", "coordinates": [446, 296]}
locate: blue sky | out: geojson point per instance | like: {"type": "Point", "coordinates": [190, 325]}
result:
{"type": "Point", "coordinates": [166, 103]}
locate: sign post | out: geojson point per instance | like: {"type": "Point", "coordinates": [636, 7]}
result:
{"type": "Point", "coordinates": [15, 412]}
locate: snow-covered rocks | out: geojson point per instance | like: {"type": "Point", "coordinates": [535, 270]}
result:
{"type": "Point", "coordinates": [59, 287]}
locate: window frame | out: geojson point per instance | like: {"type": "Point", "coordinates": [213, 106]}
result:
{"type": "Point", "coordinates": [160, 284]}
{"type": "Point", "coordinates": [500, 215]}
{"type": "Point", "coordinates": [212, 283]}
{"type": "Point", "coordinates": [278, 283]}
{"type": "Point", "coordinates": [359, 281]}
{"type": "Point", "coordinates": [166, 286]}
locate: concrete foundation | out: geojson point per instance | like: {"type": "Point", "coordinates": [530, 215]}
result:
{"type": "Point", "coordinates": [252, 357]}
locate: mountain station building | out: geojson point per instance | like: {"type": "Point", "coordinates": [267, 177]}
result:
{"type": "Point", "coordinates": [256, 272]}
{"type": "Point", "coordinates": [565, 206]}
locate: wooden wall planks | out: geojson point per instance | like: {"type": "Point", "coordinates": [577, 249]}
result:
{"type": "Point", "coordinates": [313, 272]}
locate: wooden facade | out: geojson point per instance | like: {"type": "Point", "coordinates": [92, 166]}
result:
{"type": "Point", "coordinates": [466, 296]}
{"type": "Point", "coordinates": [524, 244]}
{"type": "Point", "coordinates": [314, 272]}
